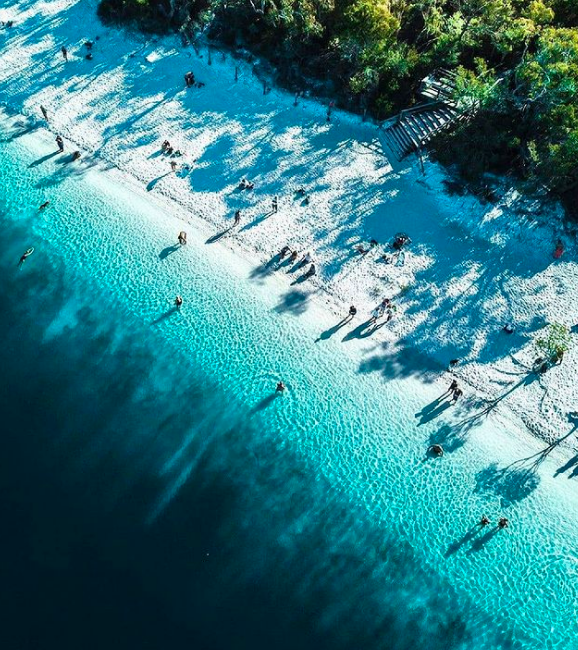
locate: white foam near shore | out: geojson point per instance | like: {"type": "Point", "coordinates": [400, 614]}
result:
{"type": "Point", "coordinates": [471, 267]}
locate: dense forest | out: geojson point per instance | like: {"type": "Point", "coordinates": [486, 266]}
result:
{"type": "Point", "coordinates": [517, 59]}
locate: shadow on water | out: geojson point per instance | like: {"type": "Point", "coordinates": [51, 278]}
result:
{"type": "Point", "coordinates": [470, 535]}
{"type": "Point", "coordinates": [265, 402]}
{"type": "Point", "coordinates": [479, 543]}
{"type": "Point", "coordinates": [511, 483]}
{"type": "Point", "coordinates": [433, 410]}
{"type": "Point", "coordinates": [169, 250]}
{"type": "Point", "coordinates": [165, 316]}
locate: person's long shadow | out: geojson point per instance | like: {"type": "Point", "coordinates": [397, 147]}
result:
{"type": "Point", "coordinates": [360, 332]}
{"type": "Point", "coordinates": [479, 543]}
{"type": "Point", "coordinates": [265, 403]}
{"type": "Point", "coordinates": [219, 235]}
{"type": "Point", "coordinates": [257, 221]}
{"type": "Point", "coordinates": [327, 334]}
{"type": "Point", "coordinates": [152, 184]}
{"type": "Point", "coordinates": [427, 415]}
{"type": "Point", "coordinates": [166, 315]}
{"type": "Point", "coordinates": [301, 279]}
{"type": "Point", "coordinates": [454, 547]}
{"type": "Point", "coordinates": [568, 465]}
{"type": "Point", "coordinates": [169, 250]}
{"type": "Point", "coordinates": [43, 159]}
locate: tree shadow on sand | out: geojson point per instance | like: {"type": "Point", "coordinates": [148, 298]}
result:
{"type": "Point", "coordinates": [294, 302]}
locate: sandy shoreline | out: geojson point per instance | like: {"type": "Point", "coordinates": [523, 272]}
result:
{"type": "Point", "coordinates": [470, 269]}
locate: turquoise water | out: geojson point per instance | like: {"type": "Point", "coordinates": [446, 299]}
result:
{"type": "Point", "coordinates": [238, 518]}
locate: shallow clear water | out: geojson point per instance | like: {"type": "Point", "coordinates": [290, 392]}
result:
{"type": "Point", "coordinates": [159, 495]}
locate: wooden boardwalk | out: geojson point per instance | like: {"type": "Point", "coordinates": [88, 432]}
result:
{"type": "Point", "coordinates": [415, 126]}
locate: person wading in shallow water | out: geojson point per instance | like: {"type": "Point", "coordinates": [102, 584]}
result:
{"type": "Point", "coordinates": [64, 53]}
{"type": "Point", "coordinates": [280, 387]}
{"type": "Point", "coordinates": [178, 302]}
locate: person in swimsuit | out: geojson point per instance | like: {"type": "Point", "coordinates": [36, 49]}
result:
{"type": "Point", "coordinates": [280, 387]}
{"type": "Point", "coordinates": [178, 302]}
{"type": "Point", "coordinates": [24, 256]}
{"type": "Point", "coordinates": [44, 205]}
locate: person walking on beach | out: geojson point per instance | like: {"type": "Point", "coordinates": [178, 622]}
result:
{"type": "Point", "coordinates": [173, 166]}
{"type": "Point", "coordinates": [237, 218]}
{"type": "Point", "coordinates": [284, 252]}
{"type": "Point", "coordinates": [274, 204]}
{"type": "Point", "coordinates": [182, 238]}
{"type": "Point", "coordinates": [178, 302]}
{"type": "Point", "coordinates": [352, 311]}
{"type": "Point", "coordinates": [60, 143]}
{"type": "Point", "coordinates": [457, 394]}
{"type": "Point", "coordinates": [44, 112]}
{"type": "Point", "coordinates": [64, 53]}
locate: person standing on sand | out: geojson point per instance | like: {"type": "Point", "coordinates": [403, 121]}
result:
{"type": "Point", "coordinates": [44, 112]}
{"type": "Point", "coordinates": [60, 143]}
{"type": "Point", "coordinates": [457, 394]}
{"type": "Point", "coordinates": [274, 204]}
{"type": "Point", "coordinates": [173, 166]}
{"type": "Point", "coordinates": [237, 218]}
{"type": "Point", "coordinates": [352, 311]}
{"type": "Point", "coordinates": [64, 53]}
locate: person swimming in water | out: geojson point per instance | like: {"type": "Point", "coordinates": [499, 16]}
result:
{"type": "Point", "coordinates": [24, 256]}
{"type": "Point", "coordinates": [44, 205]}
{"type": "Point", "coordinates": [436, 450]}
